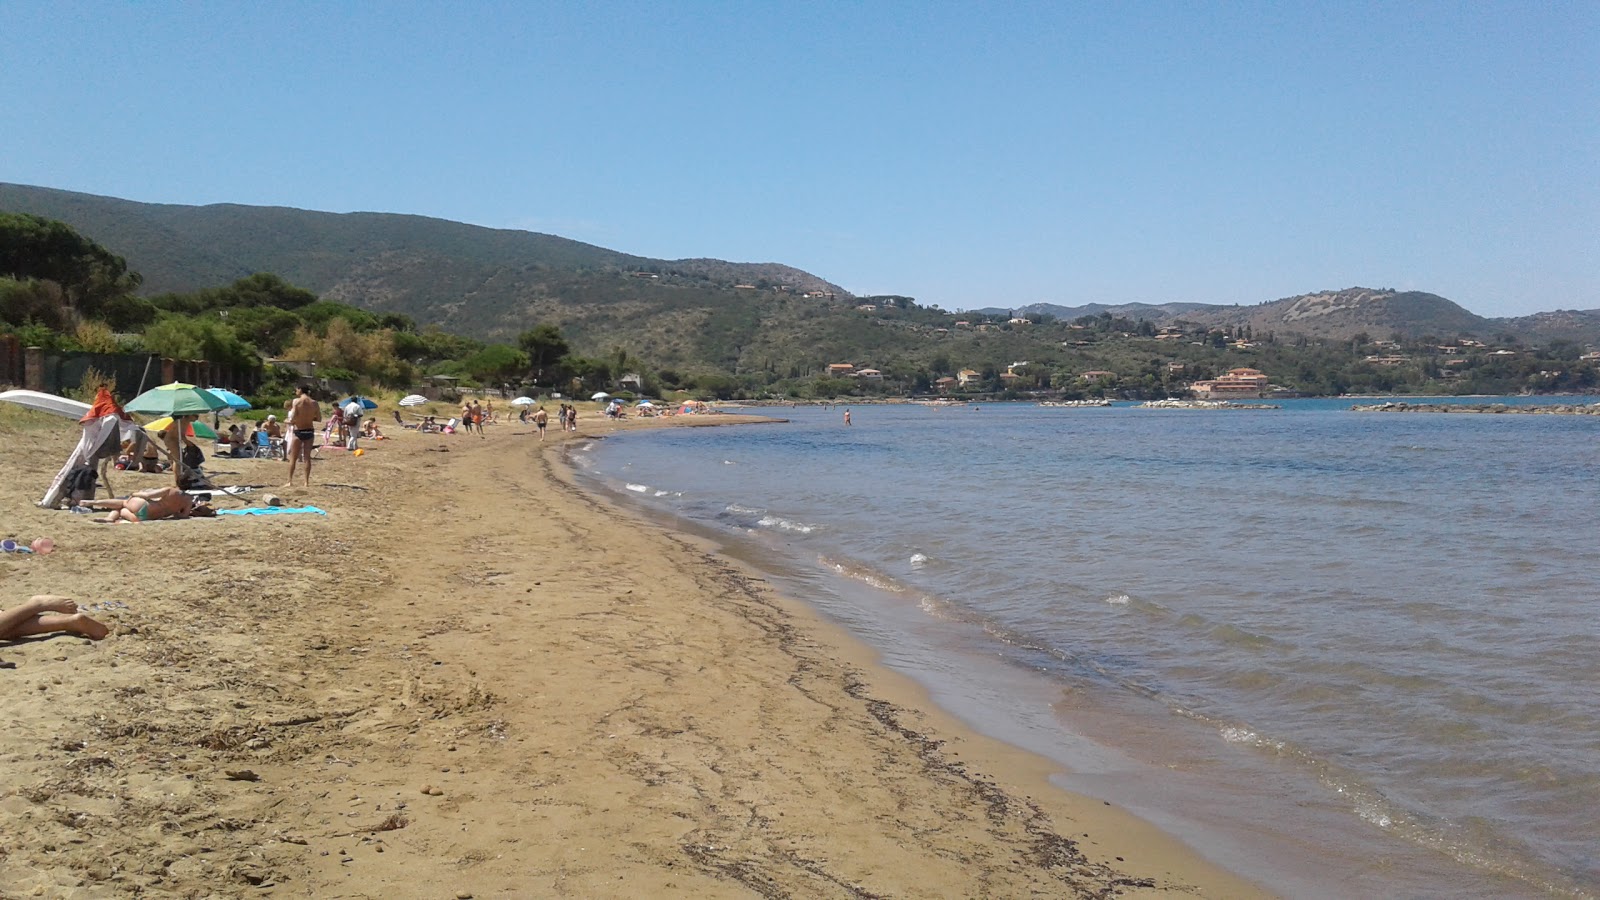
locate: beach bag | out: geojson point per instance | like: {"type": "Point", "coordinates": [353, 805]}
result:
{"type": "Point", "coordinates": [81, 484]}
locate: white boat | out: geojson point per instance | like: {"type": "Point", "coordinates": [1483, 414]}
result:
{"type": "Point", "coordinates": [48, 403]}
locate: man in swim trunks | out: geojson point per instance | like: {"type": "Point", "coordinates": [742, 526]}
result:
{"type": "Point", "coordinates": [154, 503]}
{"type": "Point", "coordinates": [540, 420]}
{"type": "Point", "coordinates": [302, 421]}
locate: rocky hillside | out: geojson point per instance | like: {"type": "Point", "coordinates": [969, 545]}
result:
{"type": "Point", "coordinates": [1347, 313]}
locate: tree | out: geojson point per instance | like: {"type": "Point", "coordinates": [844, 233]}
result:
{"type": "Point", "coordinates": [180, 337]}
{"type": "Point", "coordinates": [33, 247]}
{"type": "Point", "coordinates": [545, 347]}
{"type": "Point", "coordinates": [496, 362]}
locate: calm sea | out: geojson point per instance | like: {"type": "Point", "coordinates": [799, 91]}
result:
{"type": "Point", "coordinates": [1345, 654]}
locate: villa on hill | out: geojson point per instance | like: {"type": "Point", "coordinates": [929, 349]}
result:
{"type": "Point", "coordinates": [1248, 384]}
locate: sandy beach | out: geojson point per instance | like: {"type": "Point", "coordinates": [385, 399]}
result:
{"type": "Point", "coordinates": [472, 679]}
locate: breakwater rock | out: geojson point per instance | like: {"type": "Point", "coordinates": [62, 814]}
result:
{"type": "Point", "coordinates": [1561, 409]}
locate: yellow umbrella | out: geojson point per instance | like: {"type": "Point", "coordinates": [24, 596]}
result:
{"type": "Point", "coordinates": [193, 429]}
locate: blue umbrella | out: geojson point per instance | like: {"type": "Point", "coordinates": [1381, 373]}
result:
{"type": "Point", "coordinates": [230, 398]}
{"type": "Point", "coordinates": [365, 403]}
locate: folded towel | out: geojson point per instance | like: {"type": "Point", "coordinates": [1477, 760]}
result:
{"type": "Point", "coordinates": [270, 511]}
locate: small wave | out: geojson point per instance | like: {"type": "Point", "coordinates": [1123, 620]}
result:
{"type": "Point", "coordinates": [863, 574]}
{"type": "Point", "coordinates": [785, 525]}
{"type": "Point", "coordinates": [1118, 599]}
{"type": "Point", "coordinates": [638, 488]}
{"type": "Point", "coordinates": [1234, 734]}
{"type": "Point", "coordinates": [729, 462]}
{"type": "Point", "coordinates": [918, 560]}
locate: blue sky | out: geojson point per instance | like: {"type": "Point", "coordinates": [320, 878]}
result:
{"type": "Point", "coordinates": [968, 155]}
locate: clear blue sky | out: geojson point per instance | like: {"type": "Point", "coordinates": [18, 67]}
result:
{"type": "Point", "coordinates": [967, 154]}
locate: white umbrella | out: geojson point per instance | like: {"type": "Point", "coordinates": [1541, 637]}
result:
{"type": "Point", "coordinates": [413, 400]}
{"type": "Point", "coordinates": [523, 401]}
{"type": "Point", "coordinates": [599, 395]}
{"type": "Point", "coordinates": [645, 402]}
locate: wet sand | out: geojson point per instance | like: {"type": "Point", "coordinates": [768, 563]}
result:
{"type": "Point", "coordinates": [472, 678]}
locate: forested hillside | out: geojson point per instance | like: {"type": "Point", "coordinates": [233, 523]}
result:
{"type": "Point", "coordinates": [392, 298]}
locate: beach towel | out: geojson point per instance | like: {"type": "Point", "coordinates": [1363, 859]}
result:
{"type": "Point", "coordinates": [271, 511]}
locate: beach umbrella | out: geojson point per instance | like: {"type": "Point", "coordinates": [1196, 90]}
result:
{"type": "Point", "coordinates": [365, 403]}
{"type": "Point", "coordinates": [645, 402]}
{"type": "Point", "coordinates": [190, 429]}
{"type": "Point", "coordinates": [523, 401]}
{"type": "Point", "coordinates": [413, 400]}
{"type": "Point", "coordinates": [233, 400]}
{"type": "Point", "coordinates": [176, 399]}
{"type": "Point", "coordinates": [599, 395]}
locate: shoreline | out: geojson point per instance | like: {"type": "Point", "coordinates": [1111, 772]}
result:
{"type": "Point", "coordinates": [475, 676]}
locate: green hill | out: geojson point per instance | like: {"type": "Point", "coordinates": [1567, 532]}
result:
{"type": "Point", "coordinates": [767, 323]}
{"type": "Point", "coordinates": [483, 282]}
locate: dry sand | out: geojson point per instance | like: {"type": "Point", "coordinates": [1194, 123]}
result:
{"type": "Point", "coordinates": [472, 679]}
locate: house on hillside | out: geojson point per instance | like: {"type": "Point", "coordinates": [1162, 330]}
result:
{"type": "Point", "coordinates": [945, 384]}
{"type": "Point", "coordinates": [968, 376]}
{"type": "Point", "coordinates": [841, 370]}
{"type": "Point", "coordinates": [869, 374]}
{"type": "Point", "coordinates": [1238, 383]}
{"type": "Point", "coordinates": [632, 381]}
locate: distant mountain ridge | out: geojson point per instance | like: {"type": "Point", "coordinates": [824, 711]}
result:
{"type": "Point", "coordinates": [1343, 314]}
{"type": "Point", "coordinates": [493, 283]}
{"type": "Point", "coordinates": [475, 280]}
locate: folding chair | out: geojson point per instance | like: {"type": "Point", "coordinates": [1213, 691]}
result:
{"type": "Point", "coordinates": [267, 447]}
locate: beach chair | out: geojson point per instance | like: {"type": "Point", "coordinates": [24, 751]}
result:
{"type": "Point", "coordinates": [267, 447]}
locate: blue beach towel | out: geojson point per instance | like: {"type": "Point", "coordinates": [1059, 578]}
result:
{"type": "Point", "coordinates": [270, 511]}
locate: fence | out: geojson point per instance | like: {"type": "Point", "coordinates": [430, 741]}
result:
{"type": "Point", "coordinates": [37, 369]}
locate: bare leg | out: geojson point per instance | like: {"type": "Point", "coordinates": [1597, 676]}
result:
{"type": "Point", "coordinates": [47, 613]}
{"type": "Point", "coordinates": [294, 457]}
{"type": "Point", "coordinates": [115, 503]}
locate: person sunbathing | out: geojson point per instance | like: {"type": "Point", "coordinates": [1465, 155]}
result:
{"type": "Point", "coordinates": [46, 613]}
{"type": "Point", "coordinates": [154, 503]}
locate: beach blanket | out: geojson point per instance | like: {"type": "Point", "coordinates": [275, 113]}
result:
{"type": "Point", "coordinates": [271, 511]}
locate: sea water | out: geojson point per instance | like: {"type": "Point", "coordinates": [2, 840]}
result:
{"type": "Point", "coordinates": [1341, 653]}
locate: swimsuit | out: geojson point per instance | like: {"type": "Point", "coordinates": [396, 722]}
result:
{"type": "Point", "coordinates": [143, 512]}
{"type": "Point", "coordinates": [305, 434]}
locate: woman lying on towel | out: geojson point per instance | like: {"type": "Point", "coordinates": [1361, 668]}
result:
{"type": "Point", "coordinates": [154, 503]}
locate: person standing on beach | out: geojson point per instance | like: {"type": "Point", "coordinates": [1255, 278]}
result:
{"type": "Point", "coordinates": [352, 423]}
{"type": "Point", "coordinates": [302, 420]}
{"type": "Point", "coordinates": [477, 418]}
{"type": "Point", "coordinates": [540, 419]}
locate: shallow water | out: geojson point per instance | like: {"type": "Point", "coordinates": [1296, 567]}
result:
{"type": "Point", "coordinates": [1360, 649]}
